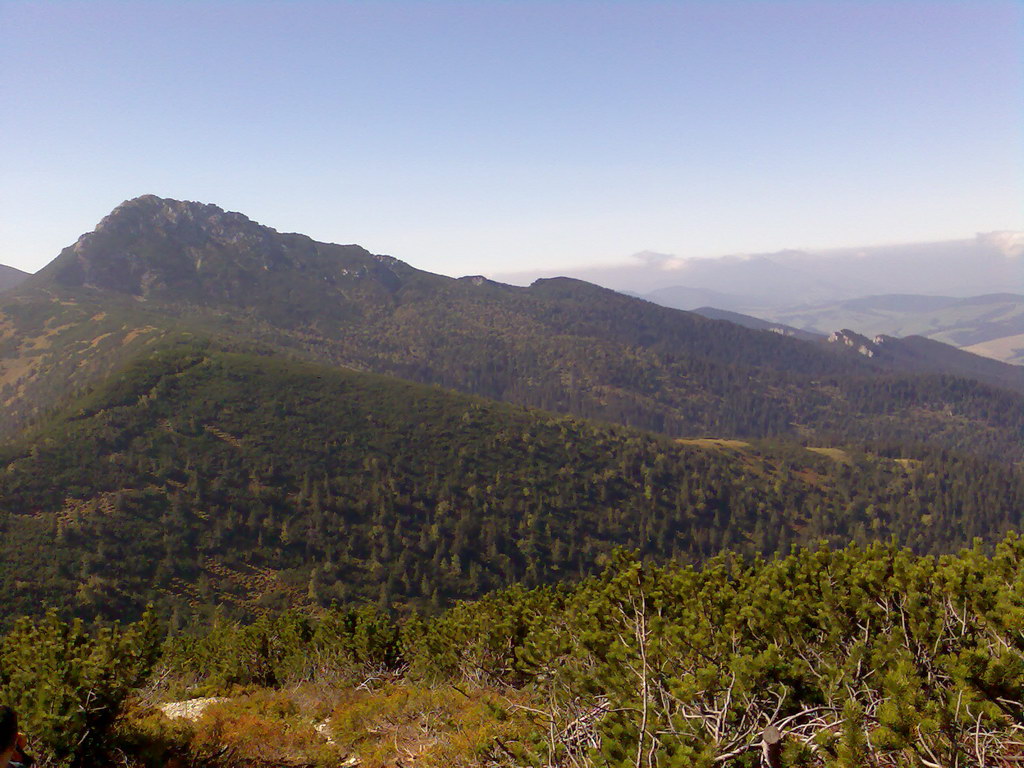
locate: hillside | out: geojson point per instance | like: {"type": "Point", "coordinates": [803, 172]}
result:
{"type": "Point", "coordinates": [989, 325]}
{"type": "Point", "coordinates": [157, 266]}
{"type": "Point", "coordinates": [11, 277]}
{"type": "Point", "coordinates": [200, 477]}
{"type": "Point", "coordinates": [748, 321]}
{"type": "Point", "coordinates": [908, 354]}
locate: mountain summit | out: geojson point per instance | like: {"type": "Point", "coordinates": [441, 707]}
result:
{"type": "Point", "coordinates": [170, 250]}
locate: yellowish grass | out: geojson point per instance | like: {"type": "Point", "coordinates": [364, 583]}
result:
{"type": "Point", "coordinates": [430, 727]}
{"type": "Point", "coordinates": [135, 333]}
{"type": "Point", "coordinates": [716, 443]}
{"type": "Point", "coordinates": [398, 724]}
{"type": "Point", "coordinates": [836, 454]}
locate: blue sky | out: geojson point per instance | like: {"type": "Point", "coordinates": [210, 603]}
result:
{"type": "Point", "coordinates": [483, 137]}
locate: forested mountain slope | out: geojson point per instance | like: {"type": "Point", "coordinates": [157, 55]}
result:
{"type": "Point", "coordinates": [157, 265]}
{"type": "Point", "coordinates": [200, 477]}
{"type": "Point", "coordinates": [749, 321]}
{"type": "Point", "coordinates": [11, 277]}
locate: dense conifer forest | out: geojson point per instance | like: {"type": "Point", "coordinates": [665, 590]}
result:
{"type": "Point", "coordinates": [201, 477]}
{"type": "Point", "coordinates": [859, 656]}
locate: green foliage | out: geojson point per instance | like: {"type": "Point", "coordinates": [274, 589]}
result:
{"type": "Point", "coordinates": [201, 478]}
{"type": "Point", "coordinates": [858, 656]}
{"type": "Point", "coordinates": [482, 641]}
{"type": "Point", "coordinates": [70, 686]}
{"type": "Point", "coordinates": [339, 647]}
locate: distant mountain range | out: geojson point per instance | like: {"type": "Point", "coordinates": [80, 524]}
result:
{"type": "Point", "coordinates": [922, 289]}
{"type": "Point", "coordinates": [202, 411]}
{"type": "Point", "coordinates": [991, 325]}
{"type": "Point", "coordinates": [967, 293]}
{"type": "Point", "coordinates": [155, 267]}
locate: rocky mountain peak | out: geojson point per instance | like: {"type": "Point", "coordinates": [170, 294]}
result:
{"type": "Point", "coordinates": [185, 253]}
{"type": "Point", "coordinates": [185, 220]}
{"type": "Point", "coordinates": [852, 339]}
{"type": "Point", "coordinates": [148, 245]}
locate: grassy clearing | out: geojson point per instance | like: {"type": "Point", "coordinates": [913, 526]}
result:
{"type": "Point", "coordinates": [716, 443]}
{"type": "Point", "coordinates": [836, 454]}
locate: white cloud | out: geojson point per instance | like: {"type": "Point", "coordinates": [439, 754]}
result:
{"type": "Point", "coordinates": [660, 261]}
{"type": "Point", "coordinates": [1008, 243]}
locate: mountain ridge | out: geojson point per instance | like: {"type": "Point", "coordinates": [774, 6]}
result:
{"type": "Point", "coordinates": [156, 267]}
